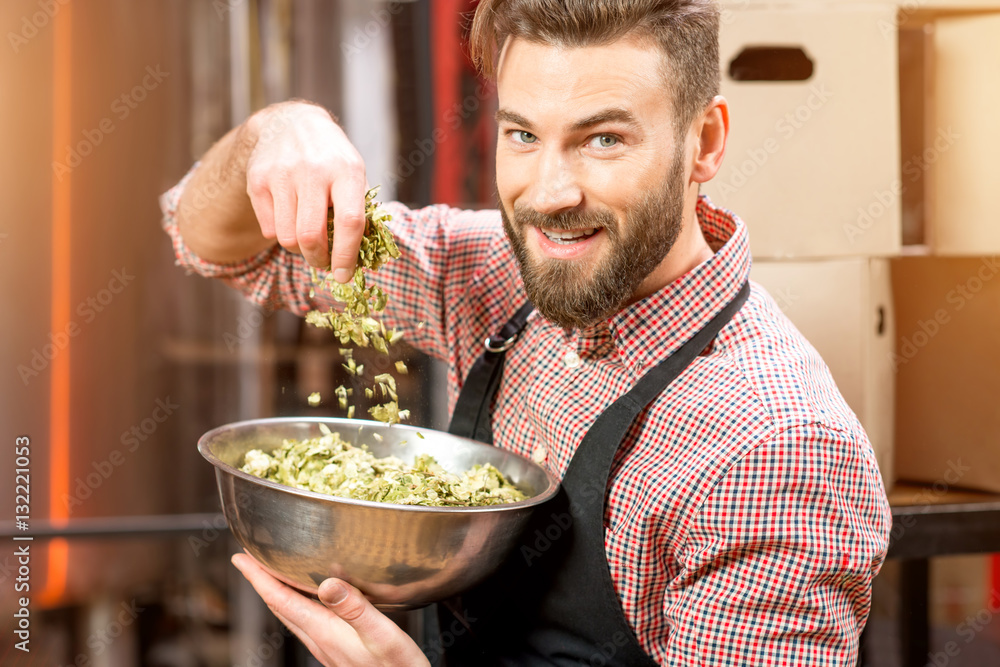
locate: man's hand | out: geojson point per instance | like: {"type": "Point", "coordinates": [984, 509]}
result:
{"type": "Point", "coordinates": [273, 178]}
{"type": "Point", "coordinates": [344, 630]}
{"type": "Point", "coordinates": [302, 163]}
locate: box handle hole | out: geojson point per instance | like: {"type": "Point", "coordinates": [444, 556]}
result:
{"type": "Point", "coordinates": [771, 63]}
{"type": "Point", "coordinates": [880, 328]}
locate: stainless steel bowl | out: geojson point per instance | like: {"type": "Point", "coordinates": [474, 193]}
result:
{"type": "Point", "coordinates": [400, 556]}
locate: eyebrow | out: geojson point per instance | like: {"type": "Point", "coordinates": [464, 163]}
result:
{"type": "Point", "coordinates": [610, 115]}
{"type": "Point", "coordinates": [503, 115]}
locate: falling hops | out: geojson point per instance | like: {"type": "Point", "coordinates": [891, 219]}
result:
{"type": "Point", "coordinates": [357, 323]}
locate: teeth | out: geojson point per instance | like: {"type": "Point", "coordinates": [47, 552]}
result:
{"type": "Point", "coordinates": [565, 237]}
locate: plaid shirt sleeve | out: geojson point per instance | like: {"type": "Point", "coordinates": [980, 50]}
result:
{"type": "Point", "coordinates": [778, 562]}
{"type": "Point", "coordinates": [272, 279]}
{"type": "Point", "coordinates": [443, 249]}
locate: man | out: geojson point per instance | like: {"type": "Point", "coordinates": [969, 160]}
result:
{"type": "Point", "coordinates": [729, 510]}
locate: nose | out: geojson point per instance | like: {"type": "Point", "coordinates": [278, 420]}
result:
{"type": "Point", "coordinates": [555, 188]}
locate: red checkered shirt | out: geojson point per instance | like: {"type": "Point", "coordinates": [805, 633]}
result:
{"type": "Point", "coordinates": [746, 516]}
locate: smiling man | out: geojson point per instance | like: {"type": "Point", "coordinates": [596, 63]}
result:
{"type": "Point", "coordinates": [720, 503]}
{"type": "Point", "coordinates": [593, 176]}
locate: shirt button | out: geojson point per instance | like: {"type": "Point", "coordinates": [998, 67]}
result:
{"type": "Point", "coordinates": [572, 360]}
{"type": "Point", "coordinates": [538, 454]}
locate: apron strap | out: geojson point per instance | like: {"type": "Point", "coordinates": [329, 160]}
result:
{"type": "Point", "coordinates": [557, 605]}
{"type": "Point", "coordinates": [611, 425]}
{"type": "Point", "coordinates": [471, 418]}
{"type": "Point", "coordinates": [591, 465]}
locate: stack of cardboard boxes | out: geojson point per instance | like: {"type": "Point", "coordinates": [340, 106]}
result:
{"type": "Point", "coordinates": [810, 167]}
{"type": "Point", "coordinates": [856, 127]}
{"type": "Point", "coordinates": [948, 302]}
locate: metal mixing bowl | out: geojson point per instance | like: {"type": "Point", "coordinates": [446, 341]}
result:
{"type": "Point", "coordinates": [400, 556]}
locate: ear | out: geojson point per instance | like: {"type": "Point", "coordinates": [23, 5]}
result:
{"type": "Point", "coordinates": [709, 133]}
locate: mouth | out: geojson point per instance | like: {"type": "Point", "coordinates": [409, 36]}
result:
{"type": "Point", "coordinates": [568, 237]}
{"type": "Point", "coordinates": [566, 244]}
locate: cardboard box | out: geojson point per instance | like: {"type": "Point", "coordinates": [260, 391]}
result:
{"type": "Point", "coordinates": [961, 148]}
{"type": "Point", "coordinates": [916, 94]}
{"type": "Point", "coordinates": [812, 164]}
{"type": "Point", "coordinates": [844, 308]}
{"type": "Point", "coordinates": [947, 362]}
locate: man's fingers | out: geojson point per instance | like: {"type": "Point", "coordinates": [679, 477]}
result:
{"type": "Point", "coordinates": [311, 226]}
{"type": "Point", "coordinates": [285, 208]}
{"type": "Point", "coordinates": [263, 209]}
{"type": "Point", "coordinates": [348, 194]}
{"type": "Point", "coordinates": [345, 628]}
{"type": "Point", "coordinates": [313, 647]}
{"type": "Point", "coordinates": [381, 638]}
{"type": "Point", "coordinates": [351, 605]}
{"type": "Point", "coordinates": [293, 607]}
{"type": "Point", "coordinates": [288, 606]}
{"type": "Point", "coordinates": [307, 616]}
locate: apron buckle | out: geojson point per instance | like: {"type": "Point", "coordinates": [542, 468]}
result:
{"type": "Point", "coordinates": [502, 347]}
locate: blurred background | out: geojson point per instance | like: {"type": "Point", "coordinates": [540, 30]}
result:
{"type": "Point", "coordinates": [862, 158]}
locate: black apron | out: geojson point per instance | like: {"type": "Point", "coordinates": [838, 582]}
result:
{"type": "Point", "coordinates": [553, 601]}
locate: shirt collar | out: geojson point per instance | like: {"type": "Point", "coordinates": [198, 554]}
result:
{"type": "Point", "coordinates": [650, 330]}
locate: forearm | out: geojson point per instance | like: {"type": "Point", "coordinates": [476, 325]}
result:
{"type": "Point", "coordinates": [214, 216]}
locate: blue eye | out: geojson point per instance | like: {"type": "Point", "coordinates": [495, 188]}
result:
{"type": "Point", "coordinates": [525, 137]}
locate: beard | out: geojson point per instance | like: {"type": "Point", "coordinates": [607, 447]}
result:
{"type": "Point", "coordinates": [576, 294]}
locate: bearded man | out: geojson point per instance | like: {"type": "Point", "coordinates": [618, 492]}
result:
{"type": "Point", "coordinates": [727, 508]}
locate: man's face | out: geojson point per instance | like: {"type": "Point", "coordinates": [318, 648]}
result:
{"type": "Point", "coordinates": [590, 174]}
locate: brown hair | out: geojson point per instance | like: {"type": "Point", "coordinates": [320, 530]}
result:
{"type": "Point", "coordinates": [686, 30]}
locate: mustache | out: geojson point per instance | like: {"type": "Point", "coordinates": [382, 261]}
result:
{"type": "Point", "coordinates": [525, 216]}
